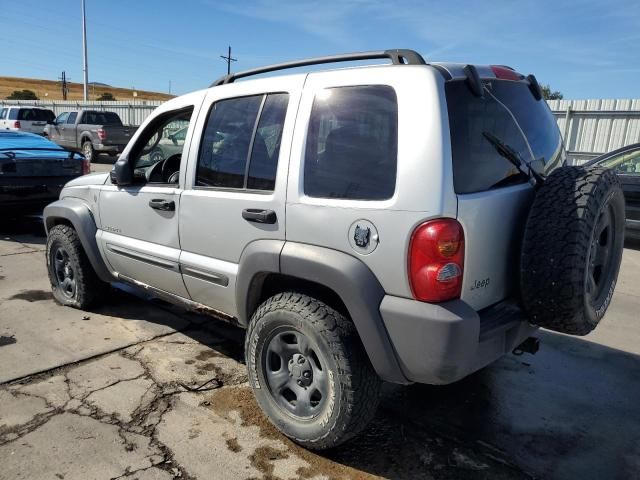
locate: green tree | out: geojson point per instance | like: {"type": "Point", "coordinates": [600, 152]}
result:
{"type": "Point", "coordinates": [23, 95]}
{"type": "Point", "coordinates": [106, 97]}
{"type": "Point", "coordinates": [547, 94]}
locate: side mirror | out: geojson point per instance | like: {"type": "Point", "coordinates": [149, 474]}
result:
{"type": "Point", "coordinates": [121, 173]}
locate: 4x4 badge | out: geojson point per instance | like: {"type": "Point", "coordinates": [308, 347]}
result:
{"type": "Point", "coordinates": [363, 236]}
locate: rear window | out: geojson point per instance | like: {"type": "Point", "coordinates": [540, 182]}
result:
{"type": "Point", "coordinates": [352, 143]}
{"type": "Point", "coordinates": [29, 114]}
{"type": "Point", "coordinates": [473, 121]}
{"type": "Point", "coordinates": [101, 118]}
{"type": "Point", "coordinates": [42, 115]}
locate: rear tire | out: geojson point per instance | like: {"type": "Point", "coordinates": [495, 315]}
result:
{"type": "Point", "coordinates": [88, 151]}
{"type": "Point", "coordinates": [74, 283]}
{"type": "Point", "coordinates": [572, 249]}
{"type": "Point", "coordinates": [309, 371]}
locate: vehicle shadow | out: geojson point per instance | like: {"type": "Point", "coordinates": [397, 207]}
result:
{"type": "Point", "coordinates": [633, 243]}
{"type": "Point", "coordinates": [27, 229]}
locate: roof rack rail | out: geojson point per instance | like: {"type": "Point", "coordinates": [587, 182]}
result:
{"type": "Point", "coordinates": [397, 57]}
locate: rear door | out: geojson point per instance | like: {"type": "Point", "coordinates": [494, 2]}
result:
{"type": "Point", "coordinates": [30, 121]}
{"type": "Point", "coordinates": [493, 195]}
{"type": "Point", "coordinates": [236, 183]}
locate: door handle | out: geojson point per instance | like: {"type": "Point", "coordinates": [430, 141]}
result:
{"type": "Point", "coordinates": [259, 216]}
{"type": "Point", "coordinates": [161, 204]}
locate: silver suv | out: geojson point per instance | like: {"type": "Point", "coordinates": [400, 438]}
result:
{"type": "Point", "coordinates": [409, 222]}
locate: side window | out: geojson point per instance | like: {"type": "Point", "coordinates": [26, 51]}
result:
{"type": "Point", "coordinates": [352, 143]}
{"type": "Point", "coordinates": [625, 164]}
{"type": "Point", "coordinates": [156, 156]}
{"type": "Point", "coordinates": [26, 114]}
{"type": "Point", "coordinates": [3, 114]}
{"type": "Point", "coordinates": [72, 117]}
{"type": "Point", "coordinates": [13, 113]}
{"type": "Point", "coordinates": [62, 118]}
{"type": "Point", "coordinates": [238, 149]}
{"type": "Point", "coordinates": [266, 145]}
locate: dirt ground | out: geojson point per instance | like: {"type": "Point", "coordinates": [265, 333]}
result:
{"type": "Point", "coordinates": [139, 389]}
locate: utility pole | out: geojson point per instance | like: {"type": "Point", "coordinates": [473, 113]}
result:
{"type": "Point", "coordinates": [228, 59]}
{"type": "Point", "coordinates": [85, 67]}
{"type": "Point", "coordinates": [65, 87]}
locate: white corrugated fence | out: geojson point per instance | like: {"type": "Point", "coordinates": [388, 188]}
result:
{"type": "Point", "coordinates": [589, 127]}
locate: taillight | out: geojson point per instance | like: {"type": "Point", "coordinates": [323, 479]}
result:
{"type": "Point", "coordinates": [436, 260]}
{"type": "Point", "coordinates": [102, 134]}
{"type": "Point", "coordinates": [86, 166]}
{"type": "Point", "coordinates": [16, 124]}
{"type": "Point", "coordinates": [505, 73]}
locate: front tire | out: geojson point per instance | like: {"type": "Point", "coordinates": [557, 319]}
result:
{"type": "Point", "coordinates": [74, 283]}
{"type": "Point", "coordinates": [309, 371]}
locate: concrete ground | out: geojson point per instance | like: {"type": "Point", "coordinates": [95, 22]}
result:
{"type": "Point", "coordinates": [140, 390]}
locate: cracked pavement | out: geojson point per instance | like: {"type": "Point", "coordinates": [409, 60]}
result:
{"type": "Point", "coordinates": [138, 389]}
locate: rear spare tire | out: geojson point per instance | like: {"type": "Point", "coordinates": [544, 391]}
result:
{"type": "Point", "coordinates": [572, 249]}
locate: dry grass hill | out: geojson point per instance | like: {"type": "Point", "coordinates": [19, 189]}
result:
{"type": "Point", "coordinates": [51, 90]}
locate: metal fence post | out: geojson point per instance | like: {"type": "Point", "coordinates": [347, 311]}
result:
{"type": "Point", "coordinates": [565, 134]}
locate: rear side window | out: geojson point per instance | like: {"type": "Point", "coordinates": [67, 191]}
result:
{"type": "Point", "coordinates": [27, 114]}
{"type": "Point", "coordinates": [13, 113]}
{"type": "Point", "coordinates": [241, 143]}
{"type": "Point", "coordinates": [3, 113]}
{"type": "Point", "coordinates": [473, 122]}
{"type": "Point", "coordinates": [352, 143]}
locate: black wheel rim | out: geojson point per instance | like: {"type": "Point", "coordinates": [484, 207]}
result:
{"type": "Point", "coordinates": [296, 373]}
{"type": "Point", "coordinates": [63, 272]}
{"type": "Point", "coordinates": [601, 254]}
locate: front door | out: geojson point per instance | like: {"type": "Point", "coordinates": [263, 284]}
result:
{"type": "Point", "coordinates": [139, 222]}
{"type": "Point", "coordinates": [236, 184]}
{"type": "Point", "coordinates": [56, 131]}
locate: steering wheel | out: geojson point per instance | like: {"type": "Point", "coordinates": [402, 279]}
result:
{"type": "Point", "coordinates": [171, 168]}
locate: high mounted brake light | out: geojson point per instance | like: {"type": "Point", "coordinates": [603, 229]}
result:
{"type": "Point", "coordinates": [436, 260]}
{"type": "Point", "coordinates": [505, 73]}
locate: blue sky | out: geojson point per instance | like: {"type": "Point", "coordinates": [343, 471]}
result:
{"type": "Point", "coordinates": [584, 48]}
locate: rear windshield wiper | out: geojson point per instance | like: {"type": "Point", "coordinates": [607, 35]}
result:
{"type": "Point", "coordinates": [513, 157]}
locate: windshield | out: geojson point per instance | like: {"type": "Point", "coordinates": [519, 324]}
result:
{"type": "Point", "coordinates": [491, 135]}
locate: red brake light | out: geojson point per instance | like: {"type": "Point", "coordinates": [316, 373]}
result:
{"type": "Point", "coordinates": [102, 134]}
{"type": "Point", "coordinates": [16, 124]}
{"type": "Point", "coordinates": [436, 260]}
{"type": "Point", "coordinates": [86, 166]}
{"type": "Point", "coordinates": [505, 73]}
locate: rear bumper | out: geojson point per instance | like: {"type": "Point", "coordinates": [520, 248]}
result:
{"type": "Point", "coordinates": [442, 343]}
{"type": "Point", "coordinates": [110, 149]}
{"type": "Point", "coordinates": [632, 228]}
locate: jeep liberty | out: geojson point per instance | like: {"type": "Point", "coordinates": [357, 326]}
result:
{"type": "Point", "coordinates": [406, 222]}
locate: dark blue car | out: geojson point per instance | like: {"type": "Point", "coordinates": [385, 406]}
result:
{"type": "Point", "coordinates": [33, 170]}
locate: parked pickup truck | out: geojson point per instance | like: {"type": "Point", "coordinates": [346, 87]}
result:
{"type": "Point", "coordinates": [90, 132]}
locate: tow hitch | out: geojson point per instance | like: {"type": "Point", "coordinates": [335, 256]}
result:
{"type": "Point", "coordinates": [530, 345]}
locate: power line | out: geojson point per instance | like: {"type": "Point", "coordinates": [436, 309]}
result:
{"type": "Point", "coordinates": [229, 59]}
